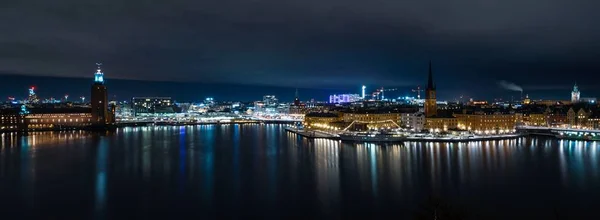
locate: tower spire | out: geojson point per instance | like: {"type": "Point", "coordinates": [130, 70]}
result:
{"type": "Point", "coordinates": [99, 75]}
{"type": "Point", "coordinates": [430, 84]}
{"type": "Point", "coordinates": [430, 105]}
{"type": "Point", "coordinates": [297, 99]}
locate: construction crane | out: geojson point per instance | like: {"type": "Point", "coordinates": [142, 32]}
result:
{"type": "Point", "coordinates": [418, 91]}
{"type": "Point", "coordinates": [382, 92]}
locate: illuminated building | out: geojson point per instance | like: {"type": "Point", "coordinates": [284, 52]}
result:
{"type": "Point", "coordinates": [32, 98]}
{"type": "Point", "coordinates": [99, 99]}
{"type": "Point", "coordinates": [439, 124]}
{"type": "Point", "coordinates": [371, 117]}
{"type": "Point", "coordinates": [414, 121]}
{"type": "Point", "coordinates": [376, 118]}
{"type": "Point", "coordinates": [430, 104]}
{"type": "Point", "coordinates": [344, 98]}
{"type": "Point", "coordinates": [487, 123]}
{"type": "Point", "coordinates": [577, 117]}
{"type": "Point", "coordinates": [44, 118]}
{"type": "Point", "coordinates": [593, 121]}
{"type": "Point", "coordinates": [317, 120]}
{"type": "Point", "coordinates": [123, 109]}
{"type": "Point", "coordinates": [575, 94]}
{"type": "Point", "coordinates": [535, 119]}
{"type": "Point", "coordinates": [527, 100]}
{"type": "Point", "coordinates": [31, 119]}
{"type": "Point", "coordinates": [270, 100]}
{"type": "Point", "coordinates": [149, 106]}
{"type": "Point", "coordinates": [361, 119]}
{"type": "Point", "coordinates": [69, 118]}
{"type": "Point", "coordinates": [10, 119]}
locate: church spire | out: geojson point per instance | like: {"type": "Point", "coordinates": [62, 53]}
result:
{"type": "Point", "coordinates": [430, 105]}
{"type": "Point", "coordinates": [297, 99]}
{"type": "Point", "coordinates": [430, 84]}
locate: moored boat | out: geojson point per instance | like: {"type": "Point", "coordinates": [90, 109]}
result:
{"type": "Point", "coordinates": [366, 137]}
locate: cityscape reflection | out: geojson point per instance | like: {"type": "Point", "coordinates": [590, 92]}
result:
{"type": "Point", "coordinates": [262, 170]}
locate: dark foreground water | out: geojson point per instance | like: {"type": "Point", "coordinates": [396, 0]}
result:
{"type": "Point", "coordinates": [260, 170]}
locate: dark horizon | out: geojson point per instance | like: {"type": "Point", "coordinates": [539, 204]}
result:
{"type": "Point", "coordinates": [121, 90]}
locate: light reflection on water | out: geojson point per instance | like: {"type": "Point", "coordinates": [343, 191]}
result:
{"type": "Point", "coordinates": [259, 169]}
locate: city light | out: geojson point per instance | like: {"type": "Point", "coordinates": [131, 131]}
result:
{"type": "Point", "coordinates": [363, 91]}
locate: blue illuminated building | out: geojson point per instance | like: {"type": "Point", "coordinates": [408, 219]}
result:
{"type": "Point", "coordinates": [344, 98]}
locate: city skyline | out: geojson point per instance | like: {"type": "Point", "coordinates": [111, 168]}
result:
{"type": "Point", "coordinates": [313, 109]}
{"type": "Point", "coordinates": [121, 90]}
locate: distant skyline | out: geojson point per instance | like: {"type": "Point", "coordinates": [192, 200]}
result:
{"type": "Point", "coordinates": [543, 47]}
{"type": "Point", "coordinates": [57, 87]}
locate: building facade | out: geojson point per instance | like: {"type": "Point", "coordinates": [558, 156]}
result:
{"type": "Point", "coordinates": [487, 123]}
{"type": "Point", "coordinates": [413, 121]}
{"type": "Point", "coordinates": [149, 106]}
{"type": "Point", "coordinates": [578, 117]}
{"type": "Point", "coordinates": [344, 98]}
{"type": "Point", "coordinates": [70, 118]}
{"type": "Point", "coordinates": [322, 120]}
{"type": "Point", "coordinates": [535, 119]}
{"type": "Point", "coordinates": [434, 124]}
{"type": "Point", "coordinates": [371, 117]}
{"type": "Point", "coordinates": [44, 119]}
{"type": "Point", "coordinates": [10, 120]}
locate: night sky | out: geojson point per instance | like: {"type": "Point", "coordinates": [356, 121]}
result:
{"type": "Point", "coordinates": [241, 49]}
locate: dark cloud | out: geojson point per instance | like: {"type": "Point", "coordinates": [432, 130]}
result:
{"type": "Point", "coordinates": [305, 43]}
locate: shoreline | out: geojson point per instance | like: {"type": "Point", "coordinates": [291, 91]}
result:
{"type": "Point", "coordinates": [304, 134]}
{"type": "Point", "coordinates": [137, 124]}
{"type": "Point", "coordinates": [323, 135]}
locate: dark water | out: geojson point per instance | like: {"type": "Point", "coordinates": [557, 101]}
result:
{"type": "Point", "coordinates": [260, 170]}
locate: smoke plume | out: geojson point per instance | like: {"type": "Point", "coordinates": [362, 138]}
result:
{"type": "Point", "coordinates": [510, 86]}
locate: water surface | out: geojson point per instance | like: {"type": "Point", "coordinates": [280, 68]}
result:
{"type": "Point", "coordinates": [214, 171]}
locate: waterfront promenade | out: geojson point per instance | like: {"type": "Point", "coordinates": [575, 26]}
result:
{"type": "Point", "coordinates": [398, 138]}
